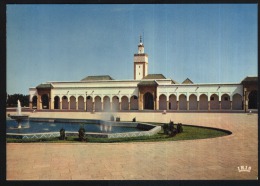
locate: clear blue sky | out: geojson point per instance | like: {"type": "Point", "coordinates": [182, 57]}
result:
{"type": "Point", "coordinates": [206, 43]}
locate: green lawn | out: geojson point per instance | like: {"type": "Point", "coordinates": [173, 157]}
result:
{"type": "Point", "coordinates": [189, 133]}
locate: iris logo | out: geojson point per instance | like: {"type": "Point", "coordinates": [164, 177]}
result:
{"type": "Point", "coordinates": [244, 168]}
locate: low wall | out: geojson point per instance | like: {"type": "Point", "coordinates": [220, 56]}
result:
{"type": "Point", "coordinates": [33, 135]}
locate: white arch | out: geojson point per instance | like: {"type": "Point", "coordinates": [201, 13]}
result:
{"type": "Point", "coordinates": [203, 102]}
{"type": "Point", "coordinates": [225, 101]}
{"type": "Point", "coordinates": [31, 97]}
{"type": "Point", "coordinates": [98, 103]}
{"type": "Point", "coordinates": [56, 102]}
{"type": "Point", "coordinates": [34, 96]}
{"type": "Point", "coordinates": [124, 103]}
{"type": "Point", "coordinates": [106, 103]}
{"type": "Point", "coordinates": [65, 102]}
{"type": "Point", "coordinates": [237, 102]}
{"type": "Point", "coordinates": [193, 103]}
{"type": "Point", "coordinates": [214, 102]}
{"type": "Point", "coordinates": [134, 103]}
{"type": "Point", "coordinates": [81, 103]}
{"type": "Point", "coordinates": [162, 102]}
{"type": "Point", "coordinates": [172, 102]}
{"type": "Point", "coordinates": [182, 102]}
{"type": "Point", "coordinates": [89, 105]}
{"type": "Point", "coordinates": [72, 102]}
{"type": "Point", "coordinates": [115, 103]}
{"type": "Point", "coordinates": [226, 93]}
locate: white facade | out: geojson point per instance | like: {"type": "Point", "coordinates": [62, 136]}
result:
{"type": "Point", "coordinates": [123, 95]}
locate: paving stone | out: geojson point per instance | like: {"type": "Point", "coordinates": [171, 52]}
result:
{"type": "Point", "coordinates": [216, 158]}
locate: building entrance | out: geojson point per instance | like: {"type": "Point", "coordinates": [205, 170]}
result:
{"type": "Point", "coordinates": [56, 102]}
{"type": "Point", "coordinates": [252, 102]}
{"type": "Point", "coordinates": [45, 101]}
{"type": "Point", "coordinates": [148, 101]}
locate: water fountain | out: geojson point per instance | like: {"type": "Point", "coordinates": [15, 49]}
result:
{"type": "Point", "coordinates": [106, 126]}
{"type": "Point", "coordinates": [109, 128]}
{"type": "Point", "coordinates": [19, 116]}
{"type": "Point", "coordinates": [107, 120]}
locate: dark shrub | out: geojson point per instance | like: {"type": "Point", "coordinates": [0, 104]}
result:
{"type": "Point", "coordinates": [171, 126]}
{"type": "Point", "coordinates": [82, 134]}
{"type": "Point", "coordinates": [166, 128]}
{"type": "Point", "coordinates": [172, 132]}
{"type": "Point", "coordinates": [117, 118]}
{"type": "Point", "coordinates": [62, 134]}
{"type": "Point", "coordinates": [179, 128]}
{"type": "Point", "coordinates": [134, 119]}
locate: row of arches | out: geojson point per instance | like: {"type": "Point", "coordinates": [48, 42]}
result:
{"type": "Point", "coordinates": [97, 103]}
{"type": "Point", "coordinates": [202, 104]}
{"type": "Point", "coordinates": [89, 104]}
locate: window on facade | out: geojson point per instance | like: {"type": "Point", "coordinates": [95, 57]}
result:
{"type": "Point", "coordinates": [135, 97]}
{"type": "Point", "coordinates": [88, 97]}
{"type": "Point", "coordinates": [226, 98]}
{"type": "Point", "coordinates": [212, 98]}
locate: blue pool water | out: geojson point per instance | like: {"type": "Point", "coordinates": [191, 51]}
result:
{"type": "Point", "coordinates": [41, 127]}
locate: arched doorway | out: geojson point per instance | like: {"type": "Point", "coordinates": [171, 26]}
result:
{"type": "Point", "coordinates": [172, 102]}
{"type": "Point", "coordinates": [89, 106]}
{"type": "Point", "coordinates": [80, 103]}
{"type": "Point", "coordinates": [34, 102]}
{"type": "Point", "coordinates": [252, 100]}
{"type": "Point", "coordinates": [45, 101]}
{"type": "Point", "coordinates": [214, 102]}
{"type": "Point", "coordinates": [56, 102]}
{"type": "Point", "coordinates": [124, 103]}
{"type": "Point", "coordinates": [115, 103]}
{"type": "Point", "coordinates": [106, 104]}
{"type": "Point", "coordinates": [225, 102]}
{"type": "Point", "coordinates": [98, 103]}
{"type": "Point", "coordinates": [193, 104]}
{"type": "Point", "coordinates": [203, 102]}
{"type": "Point", "coordinates": [65, 102]}
{"type": "Point", "coordinates": [72, 103]}
{"type": "Point", "coordinates": [162, 102]}
{"type": "Point", "coordinates": [134, 103]}
{"type": "Point", "coordinates": [183, 102]}
{"type": "Point", "coordinates": [237, 102]}
{"type": "Point", "coordinates": [148, 101]}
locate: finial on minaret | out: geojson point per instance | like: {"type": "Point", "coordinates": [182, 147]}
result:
{"type": "Point", "coordinates": [140, 46]}
{"type": "Point", "coordinates": [140, 61]}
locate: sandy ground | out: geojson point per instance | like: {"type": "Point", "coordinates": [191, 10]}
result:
{"type": "Point", "coordinates": [205, 159]}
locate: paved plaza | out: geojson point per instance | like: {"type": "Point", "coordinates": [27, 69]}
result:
{"type": "Point", "coordinates": [204, 159]}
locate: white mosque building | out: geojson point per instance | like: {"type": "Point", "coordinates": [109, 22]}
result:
{"type": "Point", "coordinates": [145, 92]}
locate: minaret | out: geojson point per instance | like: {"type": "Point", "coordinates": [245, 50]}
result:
{"type": "Point", "coordinates": [140, 62]}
